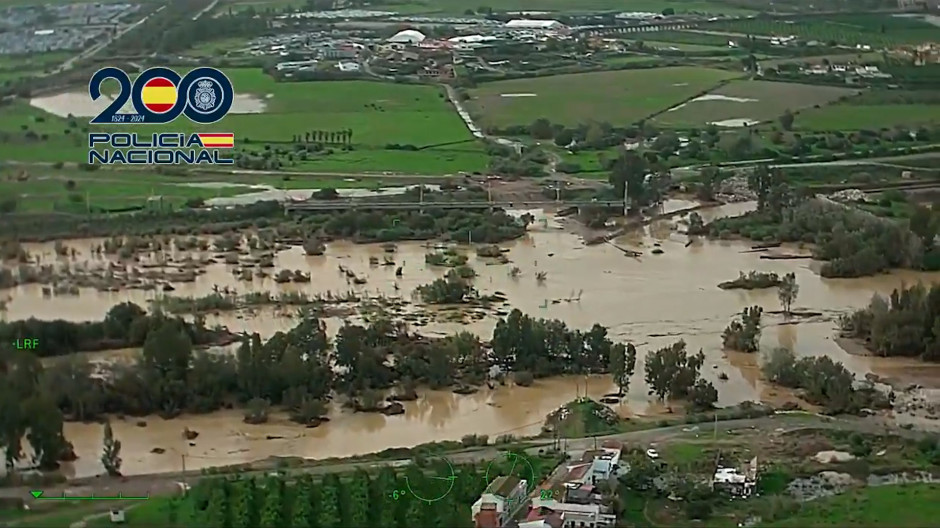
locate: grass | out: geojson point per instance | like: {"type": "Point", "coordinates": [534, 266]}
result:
{"type": "Point", "coordinates": [567, 6]}
{"type": "Point", "coordinates": [377, 113]}
{"type": "Point", "coordinates": [46, 188]}
{"type": "Point", "coordinates": [677, 46]}
{"type": "Point", "coordinates": [687, 37]}
{"type": "Point", "coordinates": [912, 505]}
{"type": "Point", "coordinates": [617, 97]}
{"type": "Point", "coordinates": [764, 101]}
{"type": "Point", "coordinates": [871, 117]}
{"type": "Point", "coordinates": [876, 30]}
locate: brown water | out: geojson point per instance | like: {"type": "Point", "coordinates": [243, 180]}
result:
{"type": "Point", "coordinates": [651, 301]}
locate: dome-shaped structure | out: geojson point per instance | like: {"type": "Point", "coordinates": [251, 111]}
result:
{"type": "Point", "coordinates": [408, 36]}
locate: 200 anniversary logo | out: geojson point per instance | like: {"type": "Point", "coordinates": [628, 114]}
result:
{"type": "Point", "coordinates": [159, 96]}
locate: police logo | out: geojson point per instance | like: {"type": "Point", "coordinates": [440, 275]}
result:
{"type": "Point", "coordinates": [204, 95]}
{"type": "Point", "coordinates": [160, 95]}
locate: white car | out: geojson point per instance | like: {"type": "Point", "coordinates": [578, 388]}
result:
{"type": "Point", "coordinates": [652, 453]}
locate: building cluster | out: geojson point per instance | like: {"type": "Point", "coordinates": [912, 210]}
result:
{"type": "Point", "coordinates": [570, 499]}
{"type": "Point", "coordinates": [43, 28]}
{"type": "Point", "coordinates": [848, 71]}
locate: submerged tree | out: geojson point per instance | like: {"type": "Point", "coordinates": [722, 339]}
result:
{"type": "Point", "coordinates": [788, 292]}
{"type": "Point", "coordinates": [111, 453]}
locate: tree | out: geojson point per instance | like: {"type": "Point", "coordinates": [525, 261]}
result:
{"type": "Point", "coordinates": [111, 453]}
{"type": "Point", "coordinates": [45, 431]}
{"type": "Point", "coordinates": [564, 137]}
{"type": "Point", "coordinates": [788, 291]}
{"type": "Point", "coordinates": [671, 372]}
{"type": "Point", "coordinates": [786, 120]}
{"type": "Point", "coordinates": [622, 364]}
{"type": "Point", "coordinates": [541, 129]}
{"type": "Point", "coordinates": [923, 224]}
{"type": "Point", "coordinates": [629, 172]}
{"type": "Point", "coordinates": [703, 395]}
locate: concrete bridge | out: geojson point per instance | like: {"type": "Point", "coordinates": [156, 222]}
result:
{"type": "Point", "coordinates": [353, 205]}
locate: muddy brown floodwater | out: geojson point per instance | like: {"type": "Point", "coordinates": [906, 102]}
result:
{"type": "Point", "coordinates": [651, 301]}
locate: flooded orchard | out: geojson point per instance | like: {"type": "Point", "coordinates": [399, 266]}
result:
{"type": "Point", "coordinates": [651, 301]}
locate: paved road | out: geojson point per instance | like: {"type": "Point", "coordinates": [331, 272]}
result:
{"type": "Point", "coordinates": [164, 484]}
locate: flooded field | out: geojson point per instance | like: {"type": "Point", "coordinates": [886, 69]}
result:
{"type": "Point", "coordinates": [651, 301]}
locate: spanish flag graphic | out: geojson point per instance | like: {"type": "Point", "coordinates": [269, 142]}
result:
{"type": "Point", "coordinates": [158, 95]}
{"type": "Point", "coordinates": [217, 140]}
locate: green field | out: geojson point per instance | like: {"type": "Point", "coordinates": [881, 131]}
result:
{"type": "Point", "coordinates": [377, 113]}
{"type": "Point", "coordinates": [874, 30]}
{"type": "Point", "coordinates": [617, 97]}
{"type": "Point", "coordinates": [453, 7]}
{"type": "Point", "coordinates": [870, 117]}
{"type": "Point", "coordinates": [678, 46]}
{"type": "Point", "coordinates": [42, 189]}
{"type": "Point", "coordinates": [14, 67]}
{"type": "Point", "coordinates": [687, 37]}
{"type": "Point", "coordinates": [909, 506]}
{"type": "Point", "coordinates": [754, 100]}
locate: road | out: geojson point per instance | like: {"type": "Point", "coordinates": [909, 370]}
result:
{"type": "Point", "coordinates": [168, 484]}
{"type": "Point", "coordinates": [70, 63]}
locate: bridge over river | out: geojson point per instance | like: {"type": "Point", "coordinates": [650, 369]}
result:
{"type": "Point", "coordinates": [356, 205]}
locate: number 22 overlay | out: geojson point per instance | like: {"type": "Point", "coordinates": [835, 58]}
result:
{"type": "Point", "coordinates": [160, 95]}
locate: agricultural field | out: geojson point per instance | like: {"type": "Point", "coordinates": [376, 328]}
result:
{"type": "Point", "coordinates": [754, 101]}
{"type": "Point", "coordinates": [617, 97]}
{"type": "Point", "coordinates": [687, 37]}
{"type": "Point", "coordinates": [677, 46]}
{"type": "Point", "coordinates": [459, 7]}
{"type": "Point", "coordinates": [44, 189]}
{"type": "Point", "coordinates": [377, 114]}
{"type": "Point", "coordinates": [870, 117]}
{"type": "Point", "coordinates": [909, 506]}
{"type": "Point", "coordinates": [14, 67]}
{"type": "Point", "coordinates": [877, 31]}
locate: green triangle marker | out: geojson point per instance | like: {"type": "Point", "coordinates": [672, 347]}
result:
{"type": "Point", "coordinates": [36, 494]}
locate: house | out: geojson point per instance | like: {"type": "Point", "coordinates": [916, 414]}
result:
{"type": "Point", "coordinates": [542, 518]}
{"type": "Point", "coordinates": [498, 502]}
{"type": "Point", "coordinates": [576, 515]}
{"type": "Point", "coordinates": [734, 482]}
{"type": "Point", "coordinates": [581, 494]}
{"type": "Point", "coordinates": [541, 25]}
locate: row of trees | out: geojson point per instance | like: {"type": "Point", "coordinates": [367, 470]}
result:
{"type": "Point", "coordinates": [329, 137]}
{"type": "Point", "coordinates": [822, 382]}
{"type": "Point", "coordinates": [381, 500]}
{"type": "Point", "coordinates": [125, 325]}
{"type": "Point", "coordinates": [854, 243]}
{"type": "Point", "coordinates": [672, 373]}
{"type": "Point", "coordinates": [907, 323]}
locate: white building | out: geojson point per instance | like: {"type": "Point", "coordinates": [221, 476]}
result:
{"type": "Point", "coordinates": [498, 502]}
{"type": "Point", "coordinates": [408, 36]}
{"type": "Point", "coordinates": [543, 25]}
{"type": "Point", "coordinates": [577, 515]}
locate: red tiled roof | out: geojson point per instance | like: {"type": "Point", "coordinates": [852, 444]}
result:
{"type": "Point", "coordinates": [577, 472]}
{"type": "Point", "coordinates": [487, 519]}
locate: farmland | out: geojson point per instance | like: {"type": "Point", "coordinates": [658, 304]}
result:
{"type": "Point", "coordinates": [617, 97]}
{"type": "Point", "coordinates": [750, 100]}
{"type": "Point", "coordinates": [911, 505]}
{"type": "Point", "coordinates": [377, 114]}
{"type": "Point", "coordinates": [874, 30]}
{"type": "Point", "coordinates": [459, 7]}
{"type": "Point", "coordinates": [871, 117]}
{"type": "Point", "coordinates": [40, 189]}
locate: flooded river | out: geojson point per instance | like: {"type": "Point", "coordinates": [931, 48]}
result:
{"type": "Point", "coordinates": [651, 301]}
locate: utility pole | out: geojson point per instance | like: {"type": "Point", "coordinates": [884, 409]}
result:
{"type": "Point", "coordinates": [626, 199]}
